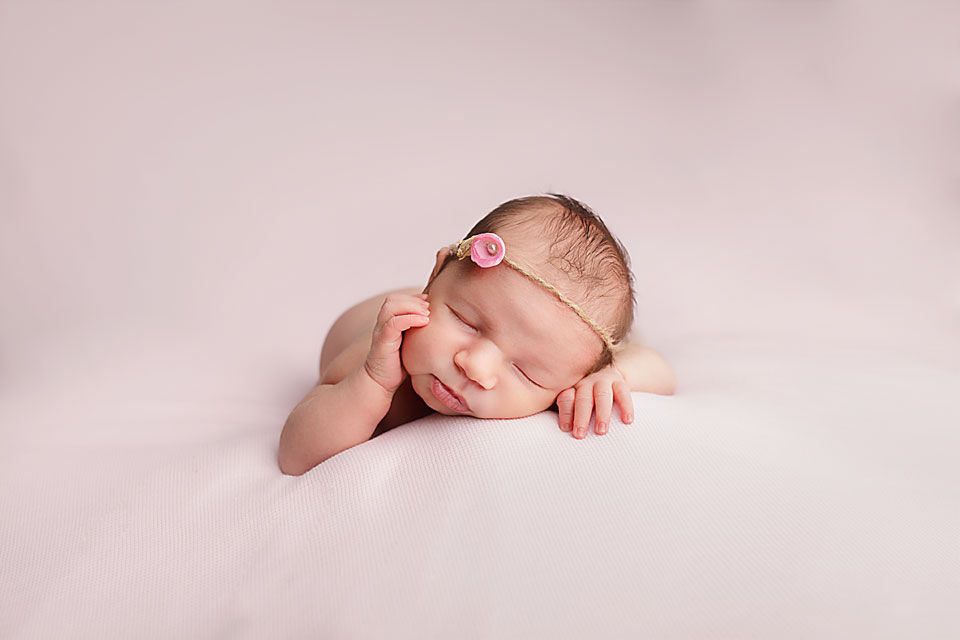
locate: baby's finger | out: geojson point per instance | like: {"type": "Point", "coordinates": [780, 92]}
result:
{"type": "Point", "coordinates": [408, 321]}
{"type": "Point", "coordinates": [623, 397]}
{"type": "Point", "coordinates": [603, 397]}
{"type": "Point", "coordinates": [396, 304]}
{"type": "Point", "coordinates": [582, 408]}
{"type": "Point", "coordinates": [565, 408]}
{"type": "Point", "coordinates": [388, 338]}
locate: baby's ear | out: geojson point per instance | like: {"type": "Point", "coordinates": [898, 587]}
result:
{"type": "Point", "coordinates": [442, 256]}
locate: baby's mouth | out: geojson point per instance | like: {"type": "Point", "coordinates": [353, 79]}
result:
{"type": "Point", "coordinates": [448, 397]}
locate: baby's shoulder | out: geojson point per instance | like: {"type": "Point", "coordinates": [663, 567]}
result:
{"type": "Point", "coordinates": [362, 317]}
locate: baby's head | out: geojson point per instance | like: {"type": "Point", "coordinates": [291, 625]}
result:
{"type": "Point", "coordinates": [507, 339]}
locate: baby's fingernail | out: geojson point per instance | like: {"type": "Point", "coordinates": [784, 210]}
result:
{"type": "Point", "coordinates": [601, 428]}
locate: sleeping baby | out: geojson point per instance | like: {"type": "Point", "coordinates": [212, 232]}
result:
{"type": "Point", "coordinates": [530, 310]}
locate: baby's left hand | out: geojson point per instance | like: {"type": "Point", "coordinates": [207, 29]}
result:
{"type": "Point", "coordinates": [601, 389]}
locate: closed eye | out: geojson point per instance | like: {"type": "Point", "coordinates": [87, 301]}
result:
{"type": "Point", "coordinates": [460, 319]}
{"type": "Point", "coordinates": [523, 373]}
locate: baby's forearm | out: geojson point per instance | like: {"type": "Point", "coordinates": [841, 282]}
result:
{"type": "Point", "coordinates": [331, 419]}
{"type": "Point", "coordinates": [644, 369]}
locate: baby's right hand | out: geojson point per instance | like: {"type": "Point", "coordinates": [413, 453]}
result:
{"type": "Point", "coordinates": [398, 313]}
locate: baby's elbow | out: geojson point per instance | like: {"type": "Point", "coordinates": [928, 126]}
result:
{"type": "Point", "coordinates": [297, 461]}
{"type": "Point", "coordinates": [292, 459]}
{"type": "Point", "coordinates": [294, 473]}
{"type": "Point", "coordinates": [669, 380]}
{"type": "Point", "coordinates": [291, 467]}
{"type": "Point", "coordinates": [665, 380]}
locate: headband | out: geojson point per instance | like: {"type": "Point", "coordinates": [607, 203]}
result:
{"type": "Point", "coordinates": [487, 250]}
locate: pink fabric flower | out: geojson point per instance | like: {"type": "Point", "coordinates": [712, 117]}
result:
{"type": "Point", "coordinates": [487, 250]}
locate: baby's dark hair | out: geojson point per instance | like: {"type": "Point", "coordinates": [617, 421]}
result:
{"type": "Point", "coordinates": [580, 246]}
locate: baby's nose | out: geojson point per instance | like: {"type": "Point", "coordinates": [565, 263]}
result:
{"type": "Point", "coordinates": [479, 364]}
{"type": "Point", "coordinates": [487, 383]}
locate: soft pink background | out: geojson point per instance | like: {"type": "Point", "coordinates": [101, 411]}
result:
{"type": "Point", "coordinates": [233, 171]}
{"type": "Point", "coordinates": [190, 193]}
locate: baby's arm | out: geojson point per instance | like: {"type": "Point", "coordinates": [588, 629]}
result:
{"type": "Point", "coordinates": [330, 419]}
{"type": "Point", "coordinates": [634, 368]}
{"type": "Point", "coordinates": [339, 414]}
{"type": "Point", "coordinates": [645, 370]}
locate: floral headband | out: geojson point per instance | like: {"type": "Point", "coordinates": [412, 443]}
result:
{"type": "Point", "coordinates": [487, 250]}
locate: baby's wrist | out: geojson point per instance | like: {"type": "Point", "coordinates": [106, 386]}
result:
{"type": "Point", "coordinates": [364, 385]}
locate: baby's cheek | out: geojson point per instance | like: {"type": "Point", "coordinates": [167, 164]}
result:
{"type": "Point", "coordinates": [405, 349]}
{"type": "Point", "coordinates": [411, 348]}
{"type": "Point", "coordinates": [546, 401]}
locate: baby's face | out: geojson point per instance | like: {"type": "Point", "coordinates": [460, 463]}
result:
{"type": "Point", "coordinates": [497, 345]}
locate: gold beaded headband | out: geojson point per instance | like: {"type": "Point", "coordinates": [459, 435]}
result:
{"type": "Point", "coordinates": [488, 250]}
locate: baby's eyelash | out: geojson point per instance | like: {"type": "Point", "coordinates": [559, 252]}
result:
{"type": "Point", "coordinates": [460, 318]}
{"type": "Point", "coordinates": [523, 373]}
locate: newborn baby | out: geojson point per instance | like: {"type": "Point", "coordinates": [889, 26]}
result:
{"type": "Point", "coordinates": [530, 309]}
